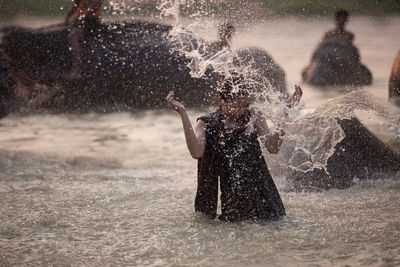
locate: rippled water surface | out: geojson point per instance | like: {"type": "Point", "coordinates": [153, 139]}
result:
{"type": "Point", "coordinates": [118, 189]}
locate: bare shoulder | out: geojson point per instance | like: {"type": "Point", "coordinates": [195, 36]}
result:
{"type": "Point", "coordinates": [200, 126]}
{"type": "Point", "coordinates": [200, 130]}
{"type": "Point", "coordinates": [200, 123]}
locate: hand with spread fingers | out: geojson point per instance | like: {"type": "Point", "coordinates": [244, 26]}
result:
{"type": "Point", "coordinates": [172, 103]}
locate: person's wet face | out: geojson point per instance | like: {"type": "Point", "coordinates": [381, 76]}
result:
{"type": "Point", "coordinates": [235, 106]}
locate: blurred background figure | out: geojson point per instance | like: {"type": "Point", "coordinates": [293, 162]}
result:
{"type": "Point", "coordinates": [341, 18]}
{"type": "Point", "coordinates": [394, 81]}
{"type": "Point", "coordinates": [225, 34]}
{"type": "Point", "coordinates": [336, 61]}
{"type": "Point", "coordinates": [87, 17]}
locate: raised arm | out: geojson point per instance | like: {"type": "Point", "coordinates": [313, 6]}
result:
{"type": "Point", "coordinates": [271, 141]}
{"type": "Point", "coordinates": [195, 140]}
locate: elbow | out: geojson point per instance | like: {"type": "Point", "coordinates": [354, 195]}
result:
{"type": "Point", "coordinates": [196, 155]}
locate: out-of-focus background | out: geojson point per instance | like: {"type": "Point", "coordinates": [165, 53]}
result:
{"type": "Point", "coordinates": [11, 8]}
{"type": "Point", "coordinates": [117, 189]}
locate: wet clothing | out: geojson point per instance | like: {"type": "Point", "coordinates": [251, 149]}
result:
{"type": "Point", "coordinates": [234, 157]}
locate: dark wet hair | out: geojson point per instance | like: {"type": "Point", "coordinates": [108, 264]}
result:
{"type": "Point", "coordinates": [232, 87]}
{"type": "Point", "coordinates": [341, 14]}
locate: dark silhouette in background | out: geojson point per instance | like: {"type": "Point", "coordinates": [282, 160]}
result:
{"type": "Point", "coordinates": [339, 33]}
{"type": "Point", "coordinates": [87, 18]}
{"type": "Point", "coordinates": [226, 31]}
{"type": "Point", "coordinates": [336, 61]}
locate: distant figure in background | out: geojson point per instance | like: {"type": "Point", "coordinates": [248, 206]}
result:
{"type": "Point", "coordinates": [336, 61]}
{"type": "Point", "coordinates": [225, 34]}
{"type": "Point", "coordinates": [341, 18]}
{"type": "Point", "coordinates": [394, 82]}
{"type": "Point", "coordinates": [87, 17]}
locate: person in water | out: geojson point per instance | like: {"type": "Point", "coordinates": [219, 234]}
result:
{"type": "Point", "coordinates": [339, 33]}
{"type": "Point", "coordinates": [227, 148]}
{"type": "Point", "coordinates": [225, 34]}
{"type": "Point", "coordinates": [87, 17]}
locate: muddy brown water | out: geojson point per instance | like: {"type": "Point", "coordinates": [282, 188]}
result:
{"type": "Point", "coordinates": [118, 189]}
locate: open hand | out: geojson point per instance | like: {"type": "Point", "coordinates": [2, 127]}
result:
{"type": "Point", "coordinates": [295, 98]}
{"type": "Point", "coordinates": [172, 103]}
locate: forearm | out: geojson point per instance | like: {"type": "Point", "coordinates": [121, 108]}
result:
{"type": "Point", "coordinates": [192, 142]}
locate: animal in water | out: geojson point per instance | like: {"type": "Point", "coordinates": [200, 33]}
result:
{"type": "Point", "coordinates": [7, 87]}
{"type": "Point", "coordinates": [329, 147]}
{"type": "Point", "coordinates": [356, 157]}
{"type": "Point", "coordinates": [125, 66]}
{"type": "Point", "coordinates": [394, 82]}
{"type": "Point", "coordinates": [336, 62]}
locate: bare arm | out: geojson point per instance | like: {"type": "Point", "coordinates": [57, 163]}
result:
{"type": "Point", "coordinates": [195, 140]}
{"type": "Point", "coordinates": [271, 141]}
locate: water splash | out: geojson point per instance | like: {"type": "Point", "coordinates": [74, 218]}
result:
{"type": "Point", "coordinates": [312, 136]}
{"type": "Point", "coordinates": [203, 56]}
{"type": "Point", "coordinates": [316, 134]}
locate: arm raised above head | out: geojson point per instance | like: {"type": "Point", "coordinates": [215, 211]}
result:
{"type": "Point", "coordinates": [195, 140]}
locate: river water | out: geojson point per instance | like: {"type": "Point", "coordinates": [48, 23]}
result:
{"type": "Point", "coordinates": [118, 189]}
